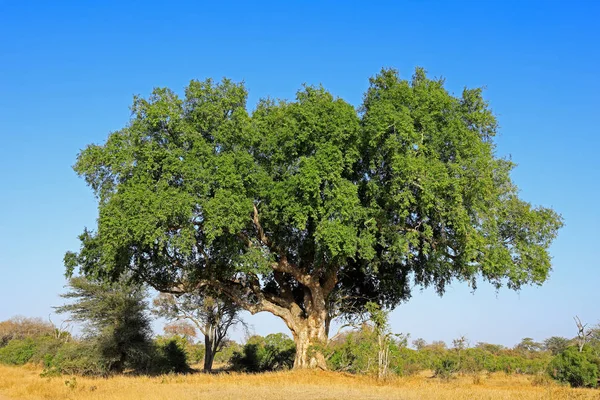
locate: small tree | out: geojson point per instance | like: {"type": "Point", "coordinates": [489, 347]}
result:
{"type": "Point", "coordinates": [381, 328]}
{"type": "Point", "coordinates": [459, 344]}
{"type": "Point", "coordinates": [419, 343]}
{"type": "Point", "coordinates": [210, 315]}
{"type": "Point", "coordinates": [114, 316]}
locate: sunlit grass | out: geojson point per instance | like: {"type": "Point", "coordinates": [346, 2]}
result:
{"type": "Point", "coordinates": [26, 383]}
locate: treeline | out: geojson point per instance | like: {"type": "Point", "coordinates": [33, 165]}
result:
{"type": "Point", "coordinates": [26, 340]}
{"type": "Point", "coordinates": [117, 338]}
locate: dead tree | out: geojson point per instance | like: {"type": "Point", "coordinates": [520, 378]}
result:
{"type": "Point", "coordinates": [583, 334]}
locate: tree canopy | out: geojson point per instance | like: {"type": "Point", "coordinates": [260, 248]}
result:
{"type": "Point", "coordinates": [310, 208]}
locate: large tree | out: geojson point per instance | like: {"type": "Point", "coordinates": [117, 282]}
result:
{"type": "Point", "coordinates": [310, 208]}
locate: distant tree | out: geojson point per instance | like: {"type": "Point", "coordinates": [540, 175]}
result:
{"type": "Point", "coordinates": [419, 343]}
{"type": "Point", "coordinates": [583, 333]}
{"type": "Point", "coordinates": [528, 344]}
{"type": "Point", "coordinates": [21, 327]}
{"type": "Point", "coordinates": [211, 315]}
{"type": "Point", "coordinates": [115, 317]}
{"type": "Point", "coordinates": [460, 343]}
{"type": "Point", "coordinates": [181, 328]}
{"type": "Point", "coordinates": [492, 348]}
{"type": "Point", "coordinates": [438, 344]}
{"type": "Point", "coordinates": [556, 344]}
{"type": "Point", "coordinates": [305, 208]}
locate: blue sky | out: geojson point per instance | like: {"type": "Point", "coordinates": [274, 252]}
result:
{"type": "Point", "coordinates": [68, 71]}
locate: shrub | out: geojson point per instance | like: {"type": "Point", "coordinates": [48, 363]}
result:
{"type": "Point", "coordinates": [80, 358]}
{"type": "Point", "coordinates": [170, 355]}
{"type": "Point", "coordinates": [280, 352]}
{"type": "Point", "coordinates": [404, 361]}
{"type": "Point", "coordinates": [579, 369]}
{"type": "Point", "coordinates": [355, 352]}
{"type": "Point", "coordinates": [18, 351]}
{"type": "Point", "coordinates": [229, 349]}
{"type": "Point", "coordinates": [76, 358]}
{"type": "Point", "coordinates": [273, 352]}
{"type": "Point", "coordinates": [195, 353]}
{"type": "Point", "coordinates": [446, 367]}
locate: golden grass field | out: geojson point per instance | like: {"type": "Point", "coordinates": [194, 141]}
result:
{"type": "Point", "coordinates": [26, 383]}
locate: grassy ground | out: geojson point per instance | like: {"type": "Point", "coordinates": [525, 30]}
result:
{"type": "Point", "coordinates": [25, 383]}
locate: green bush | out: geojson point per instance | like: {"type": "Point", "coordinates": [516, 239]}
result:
{"type": "Point", "coordinates": [81, 358]}
{"type": "Point", "coordinates": [355, 352]}
{"type": "Point", "coordinates": [88, 357]}
{"type": "Point", "coordinates": [227, 352]}
{"type": "Point", "coordinates": [195, 353]}
{"type": "Point", "coordinates": [358, 352]}
{"type": "Point", "coordinates": [18, 351]}
{"type": "Point", "coordinates": [446, 367]}
{"type": "Point", "coordinates": [76, 358]}
{"type": "Point", "coordinates": [579, 369]}
{"type": "Point", "coordinates": [271, 353]}
{"type": "Point", "coordinates": [45, 349]}
{"type": "Point", "coordinates": [171, 355]}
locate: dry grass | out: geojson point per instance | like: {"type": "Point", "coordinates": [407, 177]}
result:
{"type": "Point", "coordinates": [25, 383]}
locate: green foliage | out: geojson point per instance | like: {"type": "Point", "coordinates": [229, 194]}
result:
{"type": "Point", "coordinates": [579, 369]}
{"type": "Point", "coordinates": [271, 353]}
{"type": "Point", "coordinates": [405, 192]}
{"type": "Point", "coordinates": [171, 355]}
{"type": "Point", "coordinates": [446, 367]}
{"type": "Point", "coordinates": [115, 318]}
{"type": "Point", "coordinates": [75, 358]}
{"type": "Point", "coordinates": [195, 353]}
{"type": "Point", "coordinates": [56, 356]}
{"type": "Point", "coordinates": [356, 352]}
{"type": "Point", "coordinates": [18, 351]}
{"type": "Point", "coordinates": [229, 349]}
{"type": "Point", "coordinates": [95, 355]}
{"type": "Point", "coordinates": [556, 344]}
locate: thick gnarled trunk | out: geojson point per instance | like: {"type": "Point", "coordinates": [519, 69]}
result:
{"type": "Point", "coordinates": [310, 332]}
{"type": "Point", "coordinates": [310, 337]}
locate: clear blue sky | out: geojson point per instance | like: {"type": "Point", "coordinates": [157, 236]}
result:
{"type": "Point", "coordinates": [68, 71]}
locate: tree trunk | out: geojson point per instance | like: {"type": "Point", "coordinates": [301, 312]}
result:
{"type": "Point", "coordinates": [209, 353]}
{"type": "Point", "coordinates": [310, 336]}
